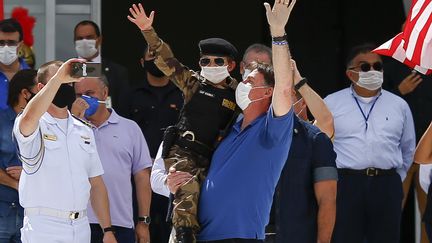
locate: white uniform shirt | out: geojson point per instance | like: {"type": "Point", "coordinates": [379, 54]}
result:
{"type": "Point", "coordinates": [70, 159]}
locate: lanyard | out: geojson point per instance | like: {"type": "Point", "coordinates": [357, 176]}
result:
{"type": "Point", "coordinates": [366, 118]}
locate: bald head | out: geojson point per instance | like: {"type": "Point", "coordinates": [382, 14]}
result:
{"type": "Point", "coordinates": [95, 87]}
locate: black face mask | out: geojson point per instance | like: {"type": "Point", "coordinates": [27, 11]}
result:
{"type": "Point", "coordinates": [65, 96]}
{"type": "Point", "coordinates": [150, 67]}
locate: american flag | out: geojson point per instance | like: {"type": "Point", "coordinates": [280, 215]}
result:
{"type": "Point", "coordinates": [413, 46]}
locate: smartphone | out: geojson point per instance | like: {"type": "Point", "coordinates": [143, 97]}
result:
{"type": "Point", "coordinates": [86, 69]}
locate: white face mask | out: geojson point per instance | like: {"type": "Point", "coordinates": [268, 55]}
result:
{"type": "Point", "coordinates": [8, 54]}
{"type": "Point", "coordinates": [242, 94]}
{"type": "Point", "coordinates": [85, 48]}
{"type": "Point", "coordinates": [246, 73]}
{"type": "Point", "coordinates": [371, 80]}
{"type": "Point", "coordinates": [215, 74]}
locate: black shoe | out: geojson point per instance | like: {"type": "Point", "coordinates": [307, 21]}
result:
{"type": "Point", "coordinates": [185, 235]}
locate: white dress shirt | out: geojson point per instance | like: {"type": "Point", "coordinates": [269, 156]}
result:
{"type": "Point", "coordinates": [159, 175]}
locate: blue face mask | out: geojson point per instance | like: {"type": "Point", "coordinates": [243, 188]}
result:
{"type": "Point", "coordinates": [93, 105]}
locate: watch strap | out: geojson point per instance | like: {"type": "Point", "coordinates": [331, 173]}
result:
{"type": "Point", "coordinates": [302, 82]}
{"type": "Point", "coordinates": [108, 229]}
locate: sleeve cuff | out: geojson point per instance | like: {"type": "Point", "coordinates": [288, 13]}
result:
{"type": "Point", "coordinates": [23, 139]}
{"type": "Point", "coordinates": [325, 173]}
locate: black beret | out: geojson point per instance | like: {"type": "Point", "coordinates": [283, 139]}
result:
{"type": "Point", "coordinates": [217, 47]}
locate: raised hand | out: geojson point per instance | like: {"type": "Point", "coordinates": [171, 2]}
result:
{"type": "Point", "coordinates": [278, 16]}
{"type": "Point", "coordinates": [410, 83]}
{"type": "Point", "coordinates": [64, 72]}
{"type": "Point", "coordinates": [139, 17]}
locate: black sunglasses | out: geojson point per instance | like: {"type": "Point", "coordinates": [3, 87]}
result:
{"type": "Point", "coordinates": [205, 61]}
{"type": "Point", "coordinates": [366, 67]}
{"type": "Point", "coordinates": [8, 42]}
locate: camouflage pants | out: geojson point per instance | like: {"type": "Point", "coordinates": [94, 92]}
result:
{"type": "Point", "coordinates": [186, 198]}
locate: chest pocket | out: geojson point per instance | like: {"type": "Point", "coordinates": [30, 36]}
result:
{"type": "Point", "coordinates": [51, 144]}
{"type": "Point", "coordinates": [87, 146]}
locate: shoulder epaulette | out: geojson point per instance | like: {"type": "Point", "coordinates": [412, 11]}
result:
{"type": "Point", "coordinates": [83, 121]}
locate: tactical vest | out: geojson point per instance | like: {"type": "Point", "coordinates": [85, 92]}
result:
{"type": "Point", "coordinates": [208, 113]}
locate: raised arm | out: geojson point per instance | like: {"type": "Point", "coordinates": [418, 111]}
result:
{"type": "Point", "coordinates": [423, 152]}
{"type": "Point", "coordinates": [165, 59]}
{"type": "Point", "coordinates": [277, 18]}
{"type": "Point", "coordinates": [43, 99]}
{"type": "Point", "coordinates": [315, 104]}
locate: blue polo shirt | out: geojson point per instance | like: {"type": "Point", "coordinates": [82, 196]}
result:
{"type": "Point", "coordinates": [8, 158]}
{"type": "Point", "coordinates": [4, 85]}
{"type": "Point", "coordinates": [237, 194]}
{"type": "Point", "coordinates": [295, 209]}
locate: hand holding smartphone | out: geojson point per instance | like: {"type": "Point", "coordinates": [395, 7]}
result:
{"type": "Point", "coordinates": [87, 69]}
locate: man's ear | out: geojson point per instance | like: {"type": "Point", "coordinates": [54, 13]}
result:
{"type": "Point", "coordinates": [99, 42]}
{"type": "Point", "coordinates": [25, 93]}
{"type": "Point", "coordinates": [353, 76]}
{"type": "Point", "coordinates": [142, 62]}
{"type": "Point", "coordinates": [105, 93]}
{"type": "Point", "coordinates": [269, 91]}
{"type": "Point", "coordinates": [40, 86]}
{"type": "Point", "coordinates": [231, 66]}
{"type": "Point", "coordinates": [242, 67]}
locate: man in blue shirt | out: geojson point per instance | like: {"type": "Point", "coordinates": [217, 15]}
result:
{"type": "Point", "coordinates": [374, 142]}
{"type": "Point", "coordinates": [11, 36]}
{"type": "Point", "coordinates": [237, 194]}
{"type": "Point", "coordinates": [304, 204]}
{"type": "Point", "coordinates": [22, 88]}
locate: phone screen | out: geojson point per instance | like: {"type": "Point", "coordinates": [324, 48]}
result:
{"type": "Point", "coordinates": [87, 69]}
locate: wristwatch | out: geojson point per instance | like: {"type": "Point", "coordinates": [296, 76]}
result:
{"type": "Point", "coordinates": [108, 229]}
{"type": "Point", "coordinates": [144, 219]}
{"type": "Point", "coordinates": [302, 82]}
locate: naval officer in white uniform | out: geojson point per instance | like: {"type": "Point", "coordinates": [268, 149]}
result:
{"type": "Point", "coordinates": [61, 167]}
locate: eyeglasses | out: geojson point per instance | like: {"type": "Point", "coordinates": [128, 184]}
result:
{"type": "Point", "coordinates": [205, 61]}
{"type": "Point", "coordinates": [8, 42]}
{"type": "Point", "coordinates": [366, 67]}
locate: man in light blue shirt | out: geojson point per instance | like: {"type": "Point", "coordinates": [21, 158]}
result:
{"type": "Point", "coordinates": [374, 142]}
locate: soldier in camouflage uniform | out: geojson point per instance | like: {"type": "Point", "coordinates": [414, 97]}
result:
{"type": "Point", "coordinates": [208, 112]}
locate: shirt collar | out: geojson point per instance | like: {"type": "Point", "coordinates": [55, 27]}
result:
{"type": "Point", "coordinates": [238, 124]}
{"type": "Point", "coordinates": [51, 120]}
{"type": "Point", "coordinates": [353, 92]}
{"type": "Point", "coordinates": [114, 117]}
{"type": "Point", "coordinates": [97, 59]}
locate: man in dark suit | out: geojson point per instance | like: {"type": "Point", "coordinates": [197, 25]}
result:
{"type": "Point", "coordinates": [88, 41]}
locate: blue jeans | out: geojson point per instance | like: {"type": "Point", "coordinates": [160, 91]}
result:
{"type": "Point", "coordinates": [11, 221]}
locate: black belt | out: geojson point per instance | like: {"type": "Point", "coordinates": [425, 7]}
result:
{"type": "Point", "coordinates": [368, 172]}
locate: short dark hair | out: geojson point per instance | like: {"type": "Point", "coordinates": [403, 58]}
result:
{"type": "Point", "coordinates": [10, 26]}
{"type": "Point", "coordinates": [103, 78]}
{"type": "Point", "coordinates": [266, 70]}
{"type": "Point", "coordinates": [360, 49]}
{"type": "Point", "coordinates": [88, 22]}
{"type": "Point", "coordinates": [23, 79]}
{"type": "Point", "coordinates": [259, 48]}
{"type": "Point", "coordinates": [42, 72]}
